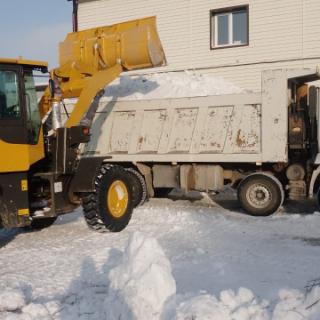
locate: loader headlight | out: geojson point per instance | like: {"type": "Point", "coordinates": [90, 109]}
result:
{"type": "Point", "coordinates": [86, 131]}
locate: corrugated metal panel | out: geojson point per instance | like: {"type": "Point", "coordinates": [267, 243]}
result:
{"type": "Point", "coordinates": [170, 15]}
{"type": "Point", "coordinates": [284, 32]}
{"type": "Point", "coordinates": [311, 43]}
{"type": "Point", "coordinates": [249, 76]}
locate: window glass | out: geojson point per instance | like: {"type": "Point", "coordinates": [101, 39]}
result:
{"type": "Point", "coordinates": [33, 114]}
{"type": "Point", "coordinates": [223, 29]}
{"type": "Point", "coordinates": [229, 27]}
{"type": "Point", "coordinates": [9, 95]}
{"type": "Point", "coordinates": [240, 27]}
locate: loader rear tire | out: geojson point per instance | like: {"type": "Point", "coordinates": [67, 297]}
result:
{"type": "Point", "coordinates": [139, 187]}
{"type": "Point", "coordinates": [42, 223]}
{"type": "Point", "coordinates": [110, 207]}
{"type": "Point", "coordinates": [260, 194]}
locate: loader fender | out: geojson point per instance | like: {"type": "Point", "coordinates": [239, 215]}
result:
{"type": "Point", "coordinates": [86, 172]}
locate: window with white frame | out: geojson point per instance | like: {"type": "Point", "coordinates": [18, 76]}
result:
{"type": "Point", "coordinates": [229, 27]}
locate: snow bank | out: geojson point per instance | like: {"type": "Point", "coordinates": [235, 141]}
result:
{"type": "Point", "coordinates": [167, 85]}
{"type": "Point", "coordinates": [142, 283]}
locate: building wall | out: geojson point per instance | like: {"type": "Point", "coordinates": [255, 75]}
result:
{"type": "Point", "coordinates": [282, 33]}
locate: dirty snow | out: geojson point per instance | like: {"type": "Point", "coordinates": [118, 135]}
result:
{"type": "Point", "coordinates": [177, 260]}
{"type": "Point", "coordinates": [167, 85]}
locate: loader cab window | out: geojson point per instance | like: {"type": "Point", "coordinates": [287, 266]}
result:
{"type": "Point", "coordinates": [33, 119]}
{"type": "Point", "coordinates": [9, 95]}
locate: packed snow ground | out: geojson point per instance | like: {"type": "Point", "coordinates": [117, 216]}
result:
{"type": "Point", "coordinates": [176, 260]}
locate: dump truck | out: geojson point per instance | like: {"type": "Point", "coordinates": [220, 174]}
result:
{"type": "Point", "coordinates": [41, 176]}
{"type": "Point", "coordinates": [263, 144]}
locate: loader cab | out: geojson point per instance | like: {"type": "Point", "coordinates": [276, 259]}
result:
{"type": "Point", "coordinates": [20, 120]}
{"type": "Point", "coordinates": [21, 140]}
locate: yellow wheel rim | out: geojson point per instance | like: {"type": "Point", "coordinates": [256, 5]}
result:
{"type": "Point", "coordinates": [117, 199]}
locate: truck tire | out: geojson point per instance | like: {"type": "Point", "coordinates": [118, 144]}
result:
{"type": "Point", "coordinates": [260, 194]}
{"type": "Point", "coordinates": [139, 187]}
{"type": "Point", "coordinates": [42, 223]}
{"type": "Point", "coordinates": [110, 206]}
{"type": "Point", "coordinates": [318, 198]}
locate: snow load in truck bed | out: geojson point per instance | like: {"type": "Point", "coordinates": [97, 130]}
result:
{"type": "Point", "coordinates": [167, 85]}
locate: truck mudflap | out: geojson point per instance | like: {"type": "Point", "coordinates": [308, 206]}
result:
{"type": "Point", "coordinates": [14, 201]}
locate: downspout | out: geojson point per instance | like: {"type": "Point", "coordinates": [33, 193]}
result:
{"type": "Point", "coordinates": [302, 44]}
{"type": "Point", "coordinates": [190, 35]}
{"type": "Point", "coordinates": [75, 15]}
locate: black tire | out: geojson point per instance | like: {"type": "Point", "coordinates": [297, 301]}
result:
{"type": "Point", "coordinates": [318, 198]}
{"type": "Point", "coordinates": [139, 187]}
{"type": "Point", "coordinates": [42, 223]}
{"type": "Point", "coordinates": [96, 205]}
{"type": "Point", "coordinates": [260, 194]}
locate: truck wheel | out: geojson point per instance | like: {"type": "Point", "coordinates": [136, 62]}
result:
{"type": "Point", "coordinates": [260, 194]}
{"type": "Point", "coordinates": [139, 187]}
{"type": "Point", "coordinates": [110, 206]}
{"type": "Point", "coordinates": [42, 223]}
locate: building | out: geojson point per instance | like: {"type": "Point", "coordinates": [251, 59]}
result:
{"type": "Point", "coordinates": [229, 38]}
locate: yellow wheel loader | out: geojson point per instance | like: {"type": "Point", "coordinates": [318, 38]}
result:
{"type": "Point", "coordinates": [41, 175]}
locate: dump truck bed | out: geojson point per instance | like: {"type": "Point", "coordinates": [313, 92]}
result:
{"type": "Point", "coordinates": [245, 127]}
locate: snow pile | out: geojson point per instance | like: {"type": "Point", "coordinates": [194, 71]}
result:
{"type": "Point", "coordinates": [15, 305]}
{"type": "Point", "coordinates": [295, 305]}
{"type": "Point", "coordinates": [231, 306]}
{"type": "Point", "coordinates": [142, 283]}
{"type": "Point", "coordinates": [292, 305]}
{"type": "Point", "coordinates": [142, 287]}
{"type": "Point", "coordinates": [167, 85]}
{"type": "Point", "coordinates": [11, 300]}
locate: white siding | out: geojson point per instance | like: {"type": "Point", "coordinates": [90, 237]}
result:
{"type": "Point", "coordinates": [282, 33]}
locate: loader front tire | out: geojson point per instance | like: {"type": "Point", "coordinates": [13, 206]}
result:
{"type": "Point", "coordinates": [260, 194]}
{"type": "Point", "coordinates": [110, 206]}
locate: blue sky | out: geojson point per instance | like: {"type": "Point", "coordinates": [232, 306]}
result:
{"type": "Point", "coordinates": [33, 28]}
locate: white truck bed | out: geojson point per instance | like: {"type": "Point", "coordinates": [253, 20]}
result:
{"type": "Point", "coordinates": [226, 128]}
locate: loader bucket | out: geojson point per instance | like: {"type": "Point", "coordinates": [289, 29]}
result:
{"type": "Point", "coordinates": [133, 45]}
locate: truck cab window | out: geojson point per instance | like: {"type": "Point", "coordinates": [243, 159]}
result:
{"type": "Point", "coordinates": [33, 115]}
{"type": "Point", "coordinates": [9, 95]}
